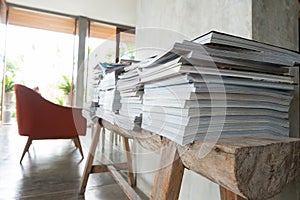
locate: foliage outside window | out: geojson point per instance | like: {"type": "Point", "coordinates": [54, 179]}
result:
{"type": "Point", "coordinates": [9, 83]}
{"type": "Point", "coordinates": [66, 86]}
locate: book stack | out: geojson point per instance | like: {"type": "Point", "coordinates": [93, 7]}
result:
{"type": "Point", "coordinates": [131, 92]}
{"type": "Point", "coordinates": [109, 97]}
{"type": "Point", "coordinates": [96, 77]}
{"type": "Point", "coordinates": [89, 107]}
{"type": "Point", "coordinates": [228, 86]}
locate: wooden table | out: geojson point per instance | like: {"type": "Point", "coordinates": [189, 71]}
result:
{"type": "Point", "coordinates": [245, 167]}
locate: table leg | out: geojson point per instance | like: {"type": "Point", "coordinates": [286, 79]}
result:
{"type": "Point", "coordinates": [228, 195]}
{"type": "Point", "coordinates": [103, 141]}
{"type": "Point", "coordinates": [168, 178]}
{"type": "Point", "coordinates": [131, 179]}
{"type": "Point", "coordinates": [90, 159]}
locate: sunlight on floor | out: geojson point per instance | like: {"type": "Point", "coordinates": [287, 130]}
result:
{"type": "Point", "coordinates": [52, 169]}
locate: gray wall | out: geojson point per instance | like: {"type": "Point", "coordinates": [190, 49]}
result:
{"type": "Point", "coordinates": [161, 23]}
{"type": "Point", "coordinates": [276, 22]}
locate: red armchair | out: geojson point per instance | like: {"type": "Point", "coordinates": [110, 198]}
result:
{"type": "Point", "coordinates": [40, 119]}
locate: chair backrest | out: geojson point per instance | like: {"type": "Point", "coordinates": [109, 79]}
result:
{"type": "Point", "coordinates": [40, 118]}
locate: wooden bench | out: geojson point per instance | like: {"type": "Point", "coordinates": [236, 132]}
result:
{"type": "Point", "coordinates": [245, 167]}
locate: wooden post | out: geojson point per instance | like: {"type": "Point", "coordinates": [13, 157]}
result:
{"type": "Point", "coordinates": [111, 145]}
{"type": "Point", "coordinates": [129, 191]}
{"type": "Point", "coordinates": [90, 159]}
{"type": "Point", "coordinates": [228, 195]}
{"type": "Point", "coordinates": [116, 139]}
{"type": "Point", "coordinates": [131, 179]}
{"type": "Point", "coordinates": [103, 142]}
{"type": "Point", "coordinates": [167, 181]}
{"type": "Point", "coordinates": [90, 168]}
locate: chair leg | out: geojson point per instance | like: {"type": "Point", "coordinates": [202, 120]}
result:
{"type": "Point", "coordinates": [78, 145]}
{"type": "Point", "coordinates": [75, 143]}
{"type": "Point", "coordinates": [28, 143]}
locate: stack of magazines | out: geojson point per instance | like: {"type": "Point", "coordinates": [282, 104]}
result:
{"type": "Point", "coordinates": [218, 85]}
{"type": "Point", "coordinates": [131, 92]}
{"type": "Point", "coordinates": [108, 97]}
{"type": "Point", "coordinates": [89, 108]}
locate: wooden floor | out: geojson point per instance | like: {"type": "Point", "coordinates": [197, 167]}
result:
{"type": "Point", "coordinates": [52, 169]}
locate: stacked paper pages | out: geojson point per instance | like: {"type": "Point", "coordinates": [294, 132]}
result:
{"type": "Point", "coordinates": [89, 108]}
{"type": "Point", "coordinates": [230, 86]}
{"type": "Point", "coordinates": [109, 97]}
{"type": "Point", "coordinates": [131, 92]}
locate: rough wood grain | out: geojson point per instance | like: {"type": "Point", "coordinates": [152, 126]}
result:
{"type": "Point", "coordinates": [115, 129]}
{"type": "Point", "coordinates": [90, 168]}
{"type": "Point", "coordinates": [167, 181]}
{"type": "Point", "coordinates": [90, 159]}
{"type": "Point", "coordinates": [228, 195]}
{"type": "Point", "coordinates": [103, 168]}
{"type": "Point", "coordinates": [254, 167]}
{"type": "Point", "coordinates": [130, 174]}
{"type": "Point", "coordinates": [127, 189]}
{"type": "Point", "coordinates": [146, 139]}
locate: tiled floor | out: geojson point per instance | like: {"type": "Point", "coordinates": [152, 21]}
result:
{"type": "Point", "coordinates": [52, 169]}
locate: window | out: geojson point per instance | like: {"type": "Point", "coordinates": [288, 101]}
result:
{"type": "Point", "coordinates": [127, 45]}
{"type": "Point", "coordinates": [102, 43]}
{"type": "Point", "coordinates": [42, 46]}
{"type": "Point", "coordinates": [39, 58]}
{"type": "Point", "coordinates": [39, 50]}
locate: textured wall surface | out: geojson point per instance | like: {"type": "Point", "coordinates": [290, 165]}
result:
{"type": "Point", "coordinates": [276, 22]}
{"type": "Point", "coordinates": [160, 23]}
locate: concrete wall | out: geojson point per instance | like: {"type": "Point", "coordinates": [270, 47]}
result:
{"type": "Point", "coordinates": [161, 23]}
{"type": "Point", "coordinates": [276, 22]}
{"type": "Point", "coordinates": [278, 25]}
{"type": "Point", "coordinates": [115, 11]}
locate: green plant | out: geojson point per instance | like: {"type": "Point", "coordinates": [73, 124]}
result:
{"type": "Point", "coordinates": [60, 100]}
{"type": "Point", "coordinates": [11, 68]}
{"type": "Point", "coordinates": [9, 83]}
{"type": "Point", "coordinates": [66, 86]}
